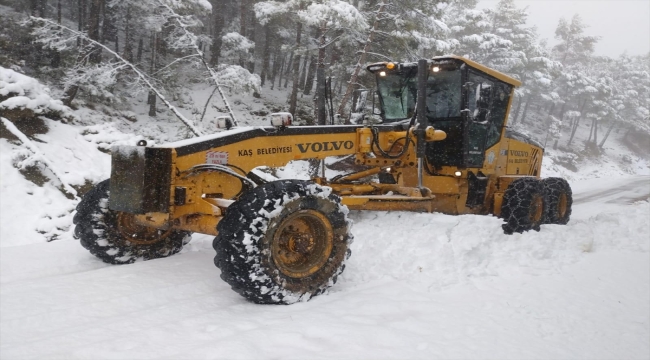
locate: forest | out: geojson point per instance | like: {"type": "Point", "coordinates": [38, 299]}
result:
{"type": "Point", "coordinates": [109, 50]}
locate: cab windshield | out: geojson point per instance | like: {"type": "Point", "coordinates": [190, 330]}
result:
{"type": "Point", "coordinates": [398, 92]}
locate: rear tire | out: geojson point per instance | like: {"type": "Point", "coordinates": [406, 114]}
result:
{"type": "Point", "coordinates": [283, 242]}
{"type": "Point", "coordinates": [115, 238]}
{"type": "Point", "coordinates": [559, 197]}
{"type": "Point", "coordinates": [523, 206]}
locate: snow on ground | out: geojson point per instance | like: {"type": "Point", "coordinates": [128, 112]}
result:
{"type": "Point", "coordinates": [417, 286]}
{"type": "Point", "coordinates": [31, 213]}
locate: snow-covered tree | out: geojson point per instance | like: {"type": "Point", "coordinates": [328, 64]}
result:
{"type": "Point", "coordinates": [377, 16]}
{"type": "Point", "coordinates": [49, 27]}
{"type": "Point", "coordinates": [602, 106]}
{"type": "Point", "coordinates": [576, 81]}
{"type": "Point", "coordinates": [331, 19]}
{"type": "Point", "coordinates": [473, 30]}
{"type": "Point", "coordinates": [268, 11]}
{"type": "Point", "coordinates": [630, 97]}
{"type": "Point", "coordinates": [234, 46]}
{"type": "Point", "coordinates": [410, 29]}
{"type": "Point", "coordinates": [581, 91]}
{"type": "Point", "coordinates": [575, 47]}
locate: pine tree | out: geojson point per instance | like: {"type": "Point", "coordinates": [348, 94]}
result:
{"type": "Point", "coordinates": [575, 52]}
{"type": "Point", "coordinates": [575, 47]}
{"type": "Point", "coordinates": [631, 94]}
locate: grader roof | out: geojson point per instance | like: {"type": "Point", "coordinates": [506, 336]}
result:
{"type": "Point", "coordinates": [501, 76]}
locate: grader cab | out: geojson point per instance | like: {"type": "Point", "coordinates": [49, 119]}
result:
{"type": "Point", "coordinates": [443, 146]}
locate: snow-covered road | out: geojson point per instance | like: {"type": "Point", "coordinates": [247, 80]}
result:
{"type": "Point", "coordinates": [424, 286]}
{"type": "Point", "coordinates": [624, 191]}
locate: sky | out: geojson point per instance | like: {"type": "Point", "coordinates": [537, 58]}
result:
{"type": "Point", "coordinates": [624, 25]}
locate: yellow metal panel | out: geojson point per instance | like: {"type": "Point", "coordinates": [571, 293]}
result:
{"type": "Point", "coordinates": [523, 159]}
{"type": "Point", "coordinates": [387, 204]}
{"type": "Point", "coordinates": [446, 204]}
{"type": "Point", "coordinates": [491, 159]}
{"type": "Point", "coordinates": [354, 202]}
{"type": "Point", "coordinates": [276, 151]}
{"type": "Point", "coordinates": [504, 182]}
{"type": "Point", "coordinates": [498, 201]}
{"type": "Point", "coordinates": [442, 184]}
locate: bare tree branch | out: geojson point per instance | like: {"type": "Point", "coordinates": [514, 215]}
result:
{"type": "Point", "coordinates": [193, 45]}
{"type": "Point", "coordinates": [141, 75]}
{"type": "Point", "coordinates": [173, 62]}
{"type": "Point", "coordinates": [362, 60]}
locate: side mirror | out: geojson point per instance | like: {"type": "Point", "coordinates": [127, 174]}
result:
{"type": "Point", "coordinates": [281, 119]}
{"type": "Point", "coordinates": [224, 122]}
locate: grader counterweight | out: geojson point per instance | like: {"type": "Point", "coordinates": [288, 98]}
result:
{"type": "Point", "coordinates": [443, 146]}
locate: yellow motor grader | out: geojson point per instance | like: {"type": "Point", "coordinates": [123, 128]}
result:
{"type": "Point", "coordinates": [442, 146]}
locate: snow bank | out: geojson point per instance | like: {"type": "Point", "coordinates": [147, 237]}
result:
{"type": "Point", "coordinates": [436, 251]}
{"type": "Point", "coordinates": [44, 213]}
{"type": "Point", "coordinates": [106, 135]}
{"type": "Point", "coordinates": [18, 91]}
{"type": "Point", "coordinates": [238, 79]}
{"type": "Point", "coordinates": [28, 213]}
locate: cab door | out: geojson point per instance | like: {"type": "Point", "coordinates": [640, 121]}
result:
{"type": "Point", "coordinates": [480, 91]}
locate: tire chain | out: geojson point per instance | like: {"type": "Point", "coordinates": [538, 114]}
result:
{"type": "Point", "coordinates": [242, 270]}
{"type": "Point", "coordinates": [553, 189]}
{"type": "Point", "coordinates": [96, 228]}
{"type": "Point", "coordinates": [517, 201]}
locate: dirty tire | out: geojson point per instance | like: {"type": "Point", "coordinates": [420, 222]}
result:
{"type": "Point", "coordinates": [283, 242]}
{"type": "Point", "coordinates": [523, 206]}
{"type": "Point", "coordinates": [100, 231]}
{"type": "Point", "coordinates": [559, 199]}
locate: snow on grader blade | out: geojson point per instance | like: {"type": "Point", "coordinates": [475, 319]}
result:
{"type": "Point", "coordinates": [443, 146]}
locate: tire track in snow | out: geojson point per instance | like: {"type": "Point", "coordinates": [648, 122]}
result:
{"type": "Point", "coordinates": [627, 192]}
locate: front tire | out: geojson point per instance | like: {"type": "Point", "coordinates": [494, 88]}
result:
{"type": "Point", "coordinates": [283, 242]}
{"type": "Point", "coordinates": [115, 238]}
{"type": "Point", "coordinates": [523, 206]}
{"type": "Point", "coordinates": [559, 197]}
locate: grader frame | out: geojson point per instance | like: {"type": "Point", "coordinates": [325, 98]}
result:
{"type": "Point", "coordinates": [444, 147]}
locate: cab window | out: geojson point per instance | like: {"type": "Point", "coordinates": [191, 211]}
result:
{"type": "Point", "coordinates": [444, 94]}
{"type": "Point", "coordinates": [498, 113]}
{"type": "Point", "coordinates": [480, 97]}
{"type": "Point", "coordinates": [397, 93]}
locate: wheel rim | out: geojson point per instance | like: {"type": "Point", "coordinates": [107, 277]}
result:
{"type": "Point", "coordinates": [302, 243]}
{"type": "Point", "coordinates": [137, 234]}
{"type": "Point", "coordinates": [562, 206]}
{"type": "Point", "coordinates": [536, 209]}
